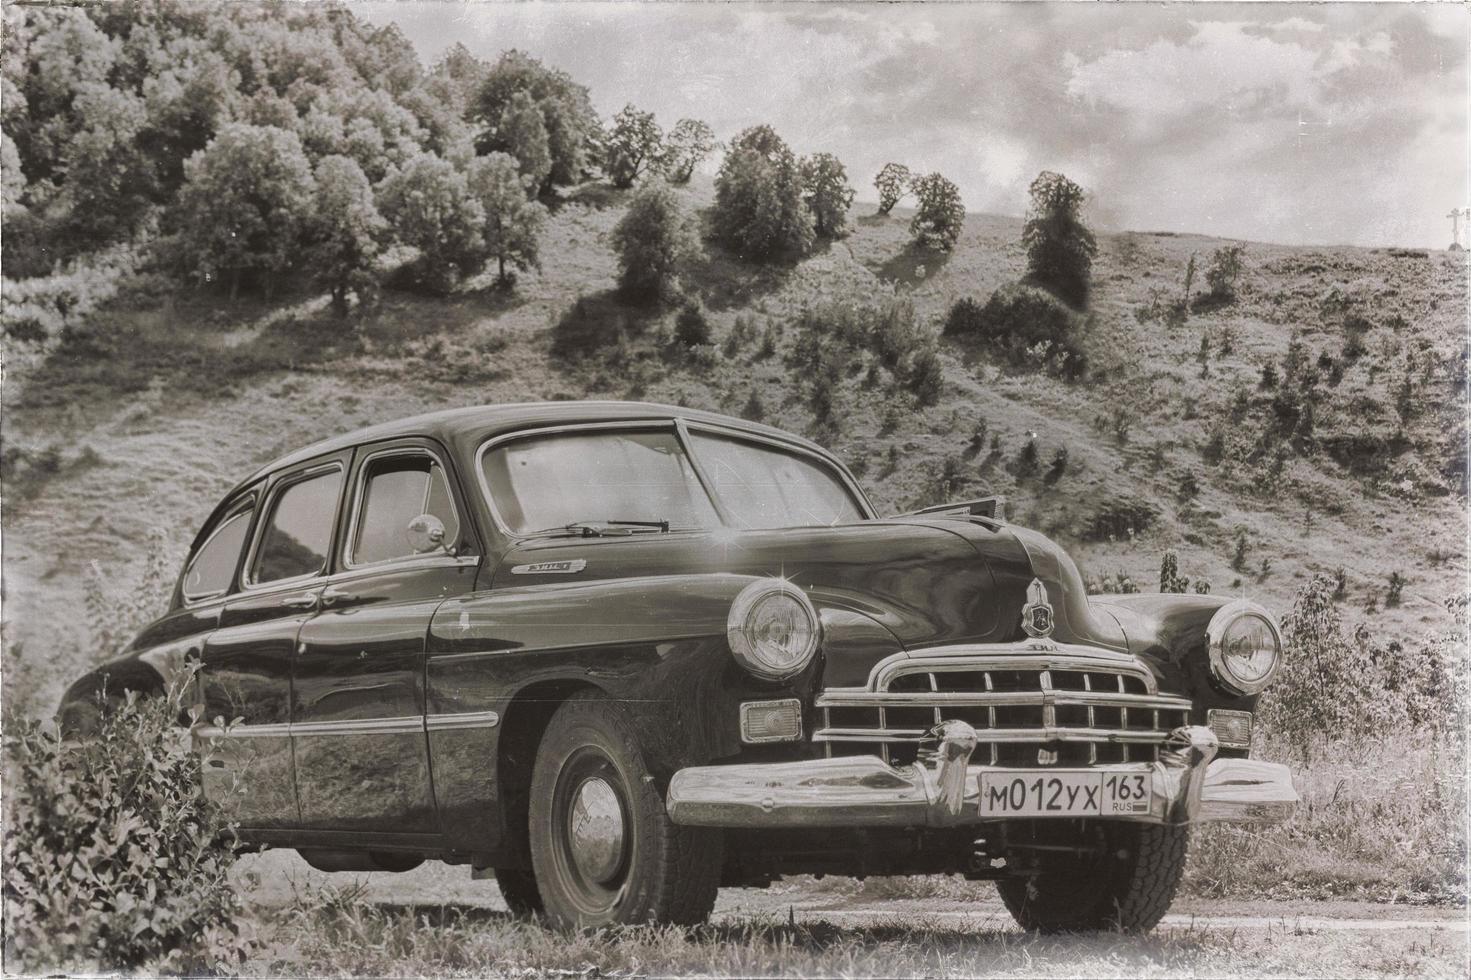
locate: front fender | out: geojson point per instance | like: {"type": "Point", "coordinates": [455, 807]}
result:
{"type": "Point", "coordinates": [1168, 631]}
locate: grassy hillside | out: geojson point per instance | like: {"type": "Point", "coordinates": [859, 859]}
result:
{"type": "Point", "coordinates": [144, 416]}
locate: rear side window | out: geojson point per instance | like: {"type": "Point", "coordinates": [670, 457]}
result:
{"type": "Point", "coordinates": [212, 569]}
{"type": "Point", "coordinates": [298, 529]}
{"type": "Point", "coordinates": [396, 490]}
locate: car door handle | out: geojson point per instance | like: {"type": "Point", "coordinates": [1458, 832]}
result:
{"type": "Point", "coordinates": [308, 601]}
{"type": "Point", "coordinates": [333, 597]}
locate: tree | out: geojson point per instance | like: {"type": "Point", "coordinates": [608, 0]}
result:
{"type": "Point", "coordinates": [827, 193]}
{"type": "Point", "coordinates": [245, 200]}
{"type": "Point", "coordinates": [654, 240]}
{"type": "Point", "coordinates": [109, 185]}
{"type": "Point", "coordinates": [892, 184]}
{"type": "Point", "coordinates": [937, 222]}
{"type": "Point", "coordinates": [524, 135]}
{"type": "Point", "coordinates": [634, 146]}
{"type": "Point", "coordinates": [1224, 270]}
{"type": "Point", "coordinates": [429, 205]}
{"type": "Point", "coordinates": [1060, 248]}
{"type": "Point", "coordinates": [688, 143]}
{"type": "Point", "coordinates": [571, 122]}
{"type": "Point", "coordinates": [347, 232]}
{"type": "Point", "coordinates": [758, 198]}
{"type": "Point", "coordinates": [513, 224]}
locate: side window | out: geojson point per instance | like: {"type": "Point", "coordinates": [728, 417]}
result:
{"type": "Point", "coordinates": [395, 490]}
{"type": "Point", "coordinates": [298, 529]}
{"type": "Point", "coordinates": [212, 569]}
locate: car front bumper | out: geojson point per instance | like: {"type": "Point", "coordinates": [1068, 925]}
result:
{"type": "Point", "coordinates": [1187, 785]}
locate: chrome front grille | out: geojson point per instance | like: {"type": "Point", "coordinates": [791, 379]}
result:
{"type": "Point", "coordinates": [1035, 707]}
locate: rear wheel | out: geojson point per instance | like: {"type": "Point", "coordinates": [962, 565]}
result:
{"type": "Point", "coordinates": [1126, 884]}
{"type": "Point", "coordinates": [604, 849]}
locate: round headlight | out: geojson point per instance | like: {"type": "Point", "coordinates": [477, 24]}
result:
{"type": "Point", "coordinates": [1245, 647]}
{"type": "Point", "coordinates": [773, 629]}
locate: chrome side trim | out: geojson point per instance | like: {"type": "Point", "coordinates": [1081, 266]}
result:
{"type": "Point", "coordinates": [400, 725]}
{"type": "Point", "coordinates": [462, 719]}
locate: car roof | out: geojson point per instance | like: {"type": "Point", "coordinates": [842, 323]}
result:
{"type": "Point", "coordinates": [456, 426]}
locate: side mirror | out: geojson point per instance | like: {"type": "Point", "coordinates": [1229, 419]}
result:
{"type": "Point", "coordinates": [426, 534]}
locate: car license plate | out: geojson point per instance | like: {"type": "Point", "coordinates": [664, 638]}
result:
{"type": "Point", "coordinates": [1063, 794]}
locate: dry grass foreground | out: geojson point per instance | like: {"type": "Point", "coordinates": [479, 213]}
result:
{"type": "Point", "coordinates": [345, 925]}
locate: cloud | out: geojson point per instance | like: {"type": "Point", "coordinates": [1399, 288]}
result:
{"type": "Point", "coordinates": [1320, 123]}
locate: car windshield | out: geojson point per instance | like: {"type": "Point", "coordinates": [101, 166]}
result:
{"type": "Point", "coordinates": [546, 482]}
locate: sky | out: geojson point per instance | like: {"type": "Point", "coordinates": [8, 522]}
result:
{"type": "Point", "coordinates": [1284, 122]}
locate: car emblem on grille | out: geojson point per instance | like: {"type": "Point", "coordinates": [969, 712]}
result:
{"type": "Point", "coordinates": [1037, 613]}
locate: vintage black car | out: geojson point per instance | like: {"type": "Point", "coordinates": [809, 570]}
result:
{"type": "Point", "coordinates": [618, 655]}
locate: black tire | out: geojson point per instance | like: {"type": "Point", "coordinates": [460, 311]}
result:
{"type": "Point", "coordinates": [642, 867]}
{"type": "Point", "coordinates": [1127, 887]}
{"type": "Point", "coordinates": [518, 888]}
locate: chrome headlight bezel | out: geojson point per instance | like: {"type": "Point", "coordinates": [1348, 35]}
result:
{"type": "Point", "coordinates": [1216, 632]}
{"type": "Point", "coordinates": [741, 623]}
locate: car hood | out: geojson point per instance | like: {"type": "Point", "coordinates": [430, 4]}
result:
{"type": "Point", "coordinates": [882, 586]}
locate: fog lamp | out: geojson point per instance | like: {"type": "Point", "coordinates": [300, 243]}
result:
{"type": "Point", "coordinates": [1232, 728]}
{"type": "Point", "coordinates": [771, 721]}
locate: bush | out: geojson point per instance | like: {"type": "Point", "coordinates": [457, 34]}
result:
{"type": "Point", "coordinates": [1170, 579]}
{"type": "Point", "coordinates": [113, 858]}
{"type": "Point", "coordinates": [1015, 321]}
{"type": "Point", "coordinates": [691, 328]}
{"type": "Point", "coordinates": [1225, 269]}
{"type": "Point", "coordinates": [938, 220]}
{"type": "Point", "coordinates": [1060, 247]}
{"type": "Point", "coordinates": [759, 212]}
{"type": "Point", "coordinates": [655, 239]}
{"type": "Point", "coordinates": [1336, 681]}
{"type": "Point", "coordinates": [1119, 517]}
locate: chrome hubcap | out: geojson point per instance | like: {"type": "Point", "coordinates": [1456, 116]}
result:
{"type": "Point", "coordinates": [595, 832]}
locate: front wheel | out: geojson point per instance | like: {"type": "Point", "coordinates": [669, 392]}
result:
{"type": "Point", "coordinates": [1126, 883]}
{"type": "Point", "coordinates": [604, 850]}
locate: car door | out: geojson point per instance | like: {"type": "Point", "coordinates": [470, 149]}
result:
{"type": "Point", "coordinates": [358, 727]}
{"type": "Point", "coordinates": [246, 673]}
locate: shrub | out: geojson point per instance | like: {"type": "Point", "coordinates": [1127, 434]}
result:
{"type": "Point", "coordinates": [1397, 583]}
{"type": "Point", "coordinates": [827, 194]}
{"type": "Point", "coordinates": [940, 216]}
{"type": "Point", "coordinates": [1119, 583]}
{"type": "Point", "coordinates": [691, 328]}
{"type": "Point", "coordinates": [1238, 557]}
{"type": "Point", "coordinates": [759, 211]}
{"type": "Point", "coordinates": [655, 239]}
{"type": "Point", "coordinates": [1057, 468]}
{"type": "Point", "coordinates": [1336, 681]}
{"type": "Point", "coordinates": [1027, 461]}
{"type": "Point", "coordinates": [754, 410]}
{"type": "Point", "coordinates": [1015, 320]}
{"type": "Point", "coordinates": [1119, 517]}
{"type": "Point", "coordinates": [113, 858]}
{"type": "Point", "coordinates": [892, 183]}
{"type": "Point", "coordinates": [1225, 269]}
{"type": "Point", "coordinates": [1060, 247]}
{"type": "Point", "coordinates": [1170, 579]}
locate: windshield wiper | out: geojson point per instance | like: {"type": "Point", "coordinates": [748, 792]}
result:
{"type": "Point", "coordinates": [601, 529]}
